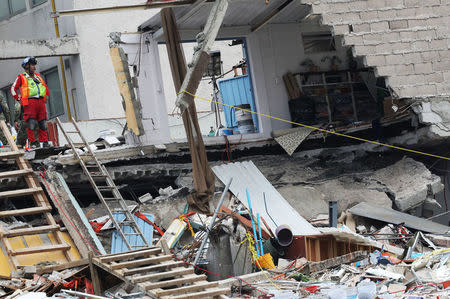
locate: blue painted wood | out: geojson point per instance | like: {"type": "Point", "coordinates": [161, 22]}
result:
{"type": "Point", "coordinates": [118, 245]}
{"type": "Point", "coordinates": [237, 91]}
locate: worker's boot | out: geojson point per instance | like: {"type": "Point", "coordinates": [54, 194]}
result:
{"type": "Point", "coordinates": [45, 144]}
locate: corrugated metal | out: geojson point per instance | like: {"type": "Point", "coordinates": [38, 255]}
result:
{"type": "Point", "coordinates": [118, 245]}
{"type": "Point", "coordinates": [395, 217]}
{"type": "Point", "coordinates": [247, 176]}
{"type": "Point", "coordinates": [236, 91]}
{"type": "Point", "coordinates": [239, 13]}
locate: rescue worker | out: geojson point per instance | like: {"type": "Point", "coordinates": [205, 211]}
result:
{"type": "Point", "coordinates": [32, 92]}
{"type": "Point", "coordinates": [21, 126]}
{"type": "Point", "coordinates": [4, 115]}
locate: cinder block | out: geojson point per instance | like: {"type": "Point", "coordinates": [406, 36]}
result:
{"type": "Point", "coordinates": [420, 46]}
{"type": "Point", "coordinates": [391, 37]}
{"type": "Point", "coordinates": [394, 59]}
{"type": "Point", "coordinates": [376, 60]}
{"type": "Point", "coordinates": [384, 71]}
{"type": "Point", "coordinates": [408, 35]}
{"type": "Point", "coordinates": [423, 68]}
{"type": "Point", "coordinates": [373, 38]}
{"type": "Point", "coordinates": [401, 47]}
{"type": "Point", "coordinates": [399, 24]}
{"type": "Point", "coordinates": [376, 4]}
{"type": "Point", "coordinates": [443, 65]}
{"type": "Point", "coordinates": [379, 26]}
{"type": "Point", "coordinates": [406, 13]}
{"type": "Point", "coordinates": [351, 40]}
{"type": "Point", "coordinates": [365, 50]}
{"type": "Point", "coordinates": [430, 56]}
{"type": "Point", "coordinates": [412, 3]}
{"type": "Point", "coordinates": [413, 57]}
{"type": "Point", "coordinates": [369, 16]}
{"type": "Point", "coordinates": [404, 69]}
{"type": "Point", "coordinates": [422, 23]}
{"type": "Point", "coordinates": [341, 29]}
{"type": "Point", "coordinates": [364, 27]}
{"type": "Point", "coordinates": [436, 77]}
{"type": "Point", "coordinates": [439, 44]}
{"type": "Point", "coordinates": [426, 34]}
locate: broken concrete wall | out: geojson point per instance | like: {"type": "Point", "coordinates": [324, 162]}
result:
{"type": "Point", "coordinates": [436, 114]}
{"type": "Point", "coordinates": [406, 41]}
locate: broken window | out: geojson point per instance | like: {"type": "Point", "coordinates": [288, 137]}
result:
{"type": "Point", "coordinates": [318, 42]}
{"type": "Point", "coordinates": [37, 2]}
{"type": "Point", "coordinates": [55, 104]}
{"type": "Point", "coordinates": [9, 8]}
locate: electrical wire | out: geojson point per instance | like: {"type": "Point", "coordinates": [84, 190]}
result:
{"type": "Point", "coordinates": [319, 129]}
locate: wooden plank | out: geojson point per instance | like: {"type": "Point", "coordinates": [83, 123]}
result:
{"type": "Point", "coordinates": [27, 211]}
{"type": "Point", "coordinates": [202, 294]}
{"type": "Point", "coordinates": [19, 192]}
{"type": "Point", "coordinates": [94, 275]}
{"type": "Point", "coordinates": [60, 267]}
{"type": "Point", "coordinates": [31, 230]}
{"type": "Point", "coordinates": [10, 155]}
{"type": "Point", "coordinates": [38, 249]}
{"type": "Point", "coordinates": [179, 281]}
{"type": "Point", "coordinates": [159, 267]}
{"type": "Point", "coordinates": [168, 274]}
{"type": "Point", "coordinates": [201, 285]}
{"type": "Point", "coordinates": [151, 260]}
{"type": "Point", "coordinates": [15, 173]}
{"type": "Point", "coordinates": [130, 255]}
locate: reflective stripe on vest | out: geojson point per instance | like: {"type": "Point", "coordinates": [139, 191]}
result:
{"type": "Point", "coordinates": [30, 89]}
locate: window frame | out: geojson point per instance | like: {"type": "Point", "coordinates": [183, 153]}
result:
{"type": "Point", "coordinates": [36, 5]}
{"type": "Point", "coordinates": [44, 74]}
{"type": "Point", "coordinates": [11, 14]}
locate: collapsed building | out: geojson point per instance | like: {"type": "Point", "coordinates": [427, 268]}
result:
{"type": "Point", "coordinates": [349, 105]}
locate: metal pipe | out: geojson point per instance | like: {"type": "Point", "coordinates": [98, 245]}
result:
{"type": "Point", "coordinates": [260, 235]}
{"type": "Point", "coordinates": [61, 62]}
{"type": "Point", "coordinates": [332, 213]}
{"type": "Point", "coordinates": [213, 219]}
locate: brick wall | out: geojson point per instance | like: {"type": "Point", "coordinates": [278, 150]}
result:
{"type": "Point", "coordinates": [407, 41]}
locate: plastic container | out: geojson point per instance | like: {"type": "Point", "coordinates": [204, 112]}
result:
{"type": "Point", "coordinates": [367, 290]}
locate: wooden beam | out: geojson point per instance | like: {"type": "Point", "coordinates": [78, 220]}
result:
{"type": "Point", "coordinates": [27, 211]}
{"type": "Point", "coordinates": [38, 249]}
{"type": "Point", "coordinates": [271, 15]}
{"type": "Point", "coordinates": [10, 155]}
{"type": "Point", "coordinates": [94, 275]}
{"type": "Point", "coordinates": [109, 9]}
{"type": "Point", "coordinates": [130, 255]}
{"type": "Point", "coordinates": [31, 231]}
{"type": "Point", "coordinates": [159, 267]}
{"type": "Point", "coordinates": [195, 7]}
{"type": "Point", "coordinates": [201, 57]}
{"type": "Point", "coordinates": [15, 173]}
{"type": "Point", "coordinates": [147, 261]}
{"type": "Point", "coordinates": [173, 282]}
{"type": "Point", "coordinates": [60, 267]}
{"type": "Point", "coordinates": [192, 288]}
{"type": "Point", "coordinates": [19, 192]}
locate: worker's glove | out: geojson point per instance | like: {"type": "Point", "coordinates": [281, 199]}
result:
{"type": "Point", "coordinates": [16, 126]}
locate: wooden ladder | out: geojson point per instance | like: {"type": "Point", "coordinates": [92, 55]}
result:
{"type": "Point", "coordinates": [159, 275]}
{"type": "Point", "coordinates": [97, 173]}
{"type": "Point", "coordinates": [42, 207]}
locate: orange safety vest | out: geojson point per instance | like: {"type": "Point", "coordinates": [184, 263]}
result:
{"type": "Point", "coordinates": [38, 89]}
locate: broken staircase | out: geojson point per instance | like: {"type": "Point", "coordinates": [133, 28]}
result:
{"type": "Point", "coordinates": [159, 275]}
{"type": "Point", "coordinates": [106, 190]}
{"type": "Point", "coordinates": [42, 207]}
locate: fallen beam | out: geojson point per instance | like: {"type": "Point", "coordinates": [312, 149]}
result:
{"type": "Point", "coordinates": [395, 217]}
{"type": "Point", "coordinates": [96, 10]}
{"type": "Point", "coordinates": [16, 49]}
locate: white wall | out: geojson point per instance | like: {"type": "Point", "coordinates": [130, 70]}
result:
{"type": "Point", "coordinates": [34, 23]}
{"type": "Point", "coordinates": [101, 91]}
{"type": "Point", "coordinates": [274, 51]}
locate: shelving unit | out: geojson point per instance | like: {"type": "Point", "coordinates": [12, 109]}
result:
{"type": "Point", "coordinates": [337, 95]}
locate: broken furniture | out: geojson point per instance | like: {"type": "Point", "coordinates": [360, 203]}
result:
{"type": "Point", "coordinates": [42, 207]}
{"type": "Point", "coordinates": [106, 189]}
{"type": "Point", "coordinates": [158, 274]}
